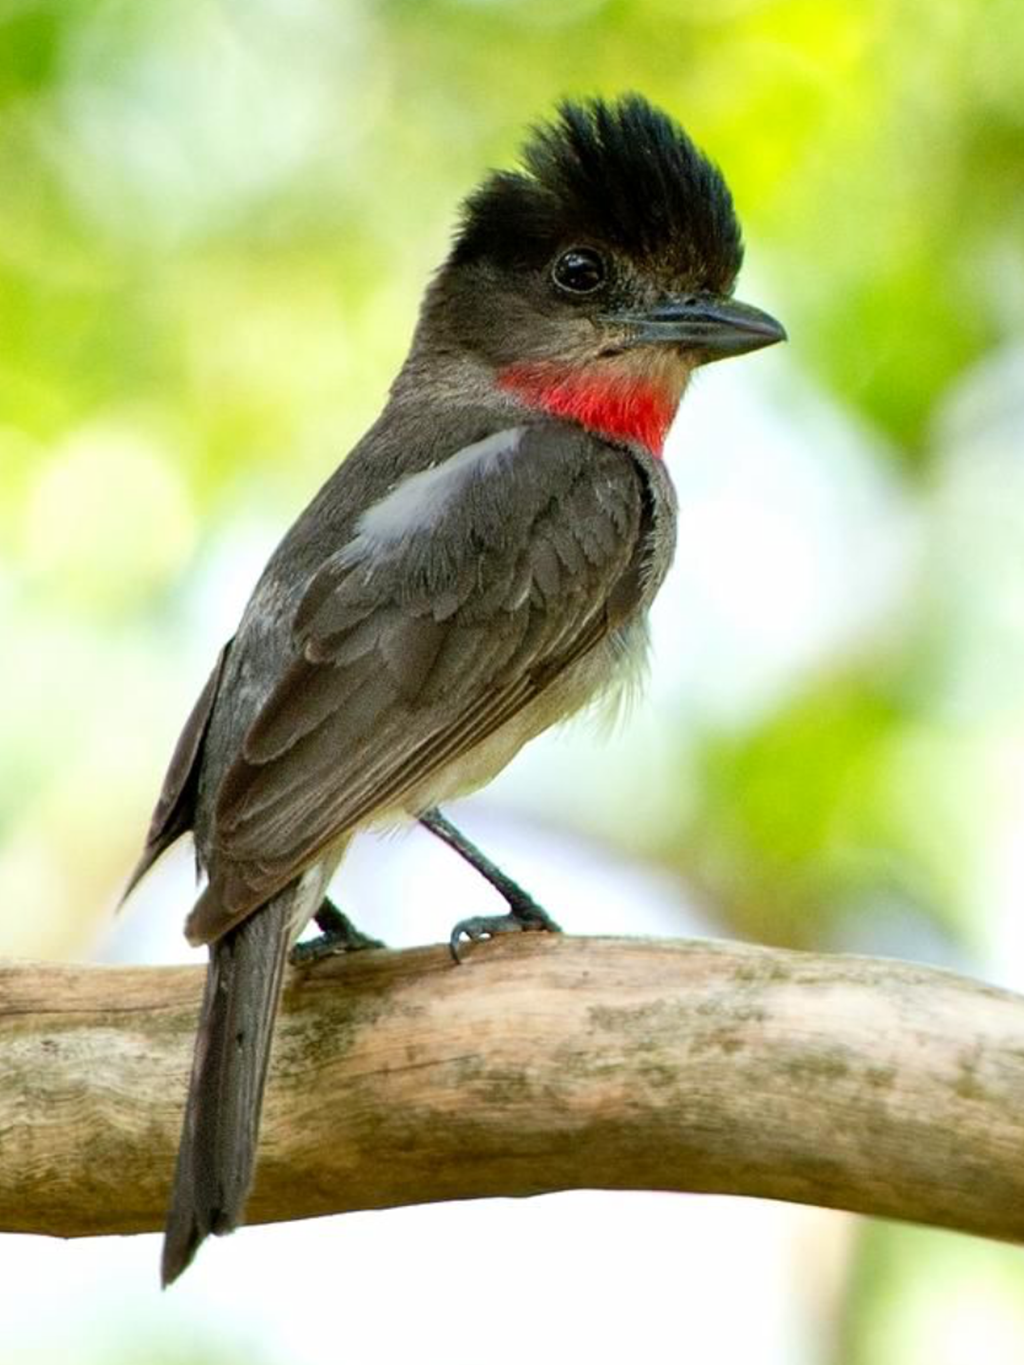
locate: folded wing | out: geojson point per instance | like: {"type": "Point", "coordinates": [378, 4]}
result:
{"type": "Point", "coordinates": [448, 613]}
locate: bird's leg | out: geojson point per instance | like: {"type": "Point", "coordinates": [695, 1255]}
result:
{"type": "Point", "coordinates": [337, 935]}
{"type": "Point", "coordinates": [523, 911]}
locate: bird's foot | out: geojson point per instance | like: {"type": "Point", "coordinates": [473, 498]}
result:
{"type": "Point", "coordinates": [524, 916]}
{"type": "Point", "coordinates": [338, 935]}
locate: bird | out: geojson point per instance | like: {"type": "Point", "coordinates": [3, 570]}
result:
{"type": "Point", "coordinates": [479, 567]}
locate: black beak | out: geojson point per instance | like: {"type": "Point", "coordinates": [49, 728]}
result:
{"type": "Point", "coordinates": [709, 324]}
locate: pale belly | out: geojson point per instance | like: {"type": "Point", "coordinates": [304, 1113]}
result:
{"type": "Point", "coordinates": [605, 677]}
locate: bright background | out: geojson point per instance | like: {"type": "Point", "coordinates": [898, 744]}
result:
{"type": "Point", "coordinates": [215, 223]}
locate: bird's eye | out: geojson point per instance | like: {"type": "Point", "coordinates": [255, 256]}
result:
{"type": "Point", "coordinates": [580, 270]}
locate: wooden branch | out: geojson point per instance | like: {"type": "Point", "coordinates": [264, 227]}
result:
{"type": "Point", "coordinates": [543, 1063]}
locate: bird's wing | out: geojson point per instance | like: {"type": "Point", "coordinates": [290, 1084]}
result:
{"type": "Point", "coordinates": [175, 808]}
{"type": "Point", "coordinates": [462, 596]}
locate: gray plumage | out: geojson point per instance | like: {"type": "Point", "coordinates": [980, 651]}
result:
{"type": "Point", "coordinates": [479, 567]}
{"type": "Point", "coordinates": [403, 661]}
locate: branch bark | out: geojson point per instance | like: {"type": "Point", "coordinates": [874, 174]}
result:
{"type": "Point", "coordinates": [543, 1063]}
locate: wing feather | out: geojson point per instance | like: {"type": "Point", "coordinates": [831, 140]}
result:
{"type": "Point", "coordinates": [417, 650]}
{"type": "Point", "coordinates": [175, 808]}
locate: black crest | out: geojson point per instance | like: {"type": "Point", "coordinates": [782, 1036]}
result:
{"type": "Point", "coordinates": [623, 173]}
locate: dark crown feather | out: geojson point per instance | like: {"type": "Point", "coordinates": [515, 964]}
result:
{"type": "Point", "coordinates": [623, 173]}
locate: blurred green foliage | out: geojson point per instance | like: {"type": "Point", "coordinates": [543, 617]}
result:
{"type": "Point", "coordinates": [216, 221]}
{"type": "Point", "coordinates": [185, 182]}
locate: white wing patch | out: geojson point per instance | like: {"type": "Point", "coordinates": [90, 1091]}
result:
{"type": "Point", "coordinates": [414, 505]}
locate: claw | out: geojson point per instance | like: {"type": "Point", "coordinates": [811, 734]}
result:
{"type": "Point", "coordinates": [521, 919]}
{"type": "Point", "coordinates": [339, 935]}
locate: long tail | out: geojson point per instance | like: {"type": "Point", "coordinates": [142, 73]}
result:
{"type": "Point", "coordinates": [217, 1156]}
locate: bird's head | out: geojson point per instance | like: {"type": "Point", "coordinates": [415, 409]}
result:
{"type": "Point", "coordinates": [594, 280]}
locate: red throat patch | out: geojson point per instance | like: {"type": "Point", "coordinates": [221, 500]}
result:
{"type": "Point", "coordinates": [622, 406]}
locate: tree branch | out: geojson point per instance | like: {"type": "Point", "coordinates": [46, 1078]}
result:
{"type": "Point", "coordinates": [543, 1063]}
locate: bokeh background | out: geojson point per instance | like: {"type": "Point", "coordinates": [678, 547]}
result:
{"type": "Point", "coordinates": [216, 220]}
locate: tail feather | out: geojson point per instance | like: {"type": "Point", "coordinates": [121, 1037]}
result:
{"type": "Point", "coordinates": [217, 1156]}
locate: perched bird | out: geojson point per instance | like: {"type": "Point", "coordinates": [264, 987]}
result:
{"type": "Point", "coordinates": [479, 567]}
